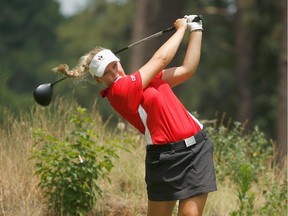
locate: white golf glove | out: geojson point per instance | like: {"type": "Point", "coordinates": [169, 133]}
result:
{"type": "Point", "coordinates": [192, 26]}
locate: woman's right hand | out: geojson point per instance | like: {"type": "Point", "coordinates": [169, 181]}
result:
{"type": "Point", "coordinates": [180, 23]}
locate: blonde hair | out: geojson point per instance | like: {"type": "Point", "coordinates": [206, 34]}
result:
{"type": "Point", "coordinates": [82, 68]}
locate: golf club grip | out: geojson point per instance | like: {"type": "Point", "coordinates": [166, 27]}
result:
{"type": "Point", "coordinates": [197, 19]}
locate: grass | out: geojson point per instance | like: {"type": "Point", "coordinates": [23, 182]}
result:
{"type": "Point", "coordinates": [19, 194]}
{"type": "Point", "coordinates": [125, 195]}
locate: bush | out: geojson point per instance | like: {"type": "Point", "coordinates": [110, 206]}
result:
{"type": "Point", "coordinates": [233, 147]}
{"type": "Point", "coordinates": [69, 168]}
{"type": "Point", "coordinates": [243, 158]}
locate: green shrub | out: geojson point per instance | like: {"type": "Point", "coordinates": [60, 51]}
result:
{"type": "Point", "coordinates": [241, 157]}
{"type": "Point", "coordinates": [275, 195]}
{"type": "Point", "coordinates": [233, 148]}
{"type": "Point", "coordinates": [69, 168]}
{"type": "Point", "coordinates": [243, 179]}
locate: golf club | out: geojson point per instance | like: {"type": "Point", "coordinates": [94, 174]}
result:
{"type": "Point", "coordinates": [43, 93]}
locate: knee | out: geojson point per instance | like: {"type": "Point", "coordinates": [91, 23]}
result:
{"type": "Point", "coordinates": [193, 206]}
{"type": "Point", "coordinates": [189, 212]}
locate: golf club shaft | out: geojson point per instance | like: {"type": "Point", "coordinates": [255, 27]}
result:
{"type": "Point", "coordinates": [58, 80]}
{"type": "Point", "coordinates": [196, 19]}
{"type": "Point", "coordinates": [146, 39]}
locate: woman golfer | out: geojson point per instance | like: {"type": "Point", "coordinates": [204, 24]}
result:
{"type": "Point", "coordinates": [179, 163]}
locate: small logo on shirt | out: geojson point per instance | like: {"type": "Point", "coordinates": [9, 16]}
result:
{"type": "Point", "coordinates": [133, 78]}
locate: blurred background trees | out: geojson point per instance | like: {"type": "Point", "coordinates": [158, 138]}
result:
{"type": "Point", "coordinates": [28, 46]}
{"type": "Point", "coordinates": [242, 73]}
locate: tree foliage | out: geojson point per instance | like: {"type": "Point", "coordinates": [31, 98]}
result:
{"type": "Point", "coordinates": [28, 44]}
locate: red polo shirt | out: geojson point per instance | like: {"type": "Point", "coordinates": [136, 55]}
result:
{"type": "Point", "coordinates": [155, 111]}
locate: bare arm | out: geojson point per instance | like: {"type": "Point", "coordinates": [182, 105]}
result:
{"type": "Point", "coordinates": [176, 75]}
{"type": "Point", "coordinates": [164, 54]}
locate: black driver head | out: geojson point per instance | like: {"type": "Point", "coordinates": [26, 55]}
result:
{"type": "Point", "coordinates": [43, 94]}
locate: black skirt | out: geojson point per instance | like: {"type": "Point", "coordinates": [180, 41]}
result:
{"type": "Point", "coordinates": [182, 172]}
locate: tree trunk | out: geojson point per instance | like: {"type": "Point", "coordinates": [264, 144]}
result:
{"type": "Point", "coordinates": [282, 100]}
{"type": "Point", "coordinates": [164, 15]}
{"type": "Point", "coordinates": [243, 42]}
{"type": "Point", "coordinates": [148, 21]}
{"type": "Point", "coordinates": [138, 32]}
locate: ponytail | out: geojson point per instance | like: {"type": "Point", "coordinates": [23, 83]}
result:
{"type": "Point", "coordinates": [82, 68]}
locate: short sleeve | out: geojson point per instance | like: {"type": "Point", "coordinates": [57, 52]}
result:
{"type": "Point", "coordinates": [127, 92]}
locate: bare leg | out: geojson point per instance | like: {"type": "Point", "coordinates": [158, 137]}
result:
{"type": "Point", "coordinates": [193, 206]}
{"type": "Point", "coordinates": [160, 208]}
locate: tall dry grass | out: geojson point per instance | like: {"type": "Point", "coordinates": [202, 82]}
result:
{"type": "Point", "coordinates": [19, 194]}
{"type": "Point", "coordinates": [125, 195]}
